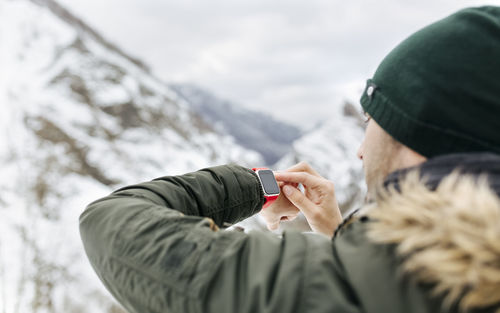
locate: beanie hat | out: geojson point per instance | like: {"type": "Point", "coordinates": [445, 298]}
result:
{"type": "Point", "coordinates": [438, 91]}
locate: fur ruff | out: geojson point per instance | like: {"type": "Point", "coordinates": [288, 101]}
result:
{"type": "Point", "coordinates": [449, 237]}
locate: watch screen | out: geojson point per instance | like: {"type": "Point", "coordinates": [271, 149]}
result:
{"type": "Point", "coordinates": [269, 182]}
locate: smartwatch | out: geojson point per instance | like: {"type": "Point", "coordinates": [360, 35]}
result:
{"type": "Point", "coordinates": [269, 185]}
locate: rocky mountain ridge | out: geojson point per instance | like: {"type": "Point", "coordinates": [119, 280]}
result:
{"type": "Point", "coordinates": [253, 130]}
{"type": "Point", "coordinates": [80, 117]}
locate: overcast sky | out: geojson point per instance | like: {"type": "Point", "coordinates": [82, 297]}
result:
{"type": "Point", "coordinates": [295, 59]}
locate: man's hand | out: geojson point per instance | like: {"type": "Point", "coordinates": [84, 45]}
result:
{"type": "Point", "coordinates": [281, 210]}
{"type": "Point", "coordinates": [318, 204]}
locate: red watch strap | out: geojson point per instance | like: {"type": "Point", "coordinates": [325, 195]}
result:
{"type": "Point", "coordinates": [269, 200]}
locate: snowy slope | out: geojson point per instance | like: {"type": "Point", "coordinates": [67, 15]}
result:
{"type": "Point", "coordinates": [331, 150]}
{"type": "Point", "coordinates": [79, 118]}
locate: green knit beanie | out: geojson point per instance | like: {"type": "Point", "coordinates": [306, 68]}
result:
{"type": "Point", "coordinates": [438, 91]}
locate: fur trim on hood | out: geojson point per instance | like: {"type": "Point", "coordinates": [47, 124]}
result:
{"type": "Point", "coordinates": [449, 237]}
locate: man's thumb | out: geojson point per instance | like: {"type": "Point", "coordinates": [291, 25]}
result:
{"type": "Point", "coordinates": [298, 199]}
{"type": "Point", "coordinates": [273, 225]}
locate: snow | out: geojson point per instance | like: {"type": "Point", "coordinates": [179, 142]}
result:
{"type": "Point", "coordinates": [331, 150]}
{"type": "Point", "coordinates": [59, 89]}
{"type": "Point", "coordinates": [43, 186]}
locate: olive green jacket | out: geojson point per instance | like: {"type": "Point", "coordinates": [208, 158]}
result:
{"type": "Point", "coordinates": [156, 247]}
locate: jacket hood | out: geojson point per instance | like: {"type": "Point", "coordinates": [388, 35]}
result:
{"type": "Point", "coordinates": [444, 220]}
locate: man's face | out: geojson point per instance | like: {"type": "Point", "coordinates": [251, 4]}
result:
{"type": "Point", "coordinates": [381, 154]}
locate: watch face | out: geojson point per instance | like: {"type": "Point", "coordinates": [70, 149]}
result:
{"type": "Point", "coordinates": [269, 182]}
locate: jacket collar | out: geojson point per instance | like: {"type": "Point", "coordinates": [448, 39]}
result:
{"type": "Point", "coordinates": [435, 169]}
{"type": "Point", "coordinates": [445, 228]}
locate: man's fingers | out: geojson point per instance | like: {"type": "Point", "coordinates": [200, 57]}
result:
{"type": "Point", "coordinates": [289, 217]}
{"type": "Point", "coordinates": [282, 183]}
{"type": "Point", "coordinates": [300, 178]}
{"type": "Point", "coordinates": [300, 201]}
{"type": "Point", "coordinates": [303, 167]}
{"type": "Point", "coordinates": [273, 226]}
{"type": "Point", "coordinates": [272, 220]}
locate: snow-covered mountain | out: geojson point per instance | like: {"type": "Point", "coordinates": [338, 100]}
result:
{"type": "Point", "coordinates": [253, 130]}
{"type": "Point", "coordinates": [81, 117]}
{"type": "Point", "coordinates": [331, 150]}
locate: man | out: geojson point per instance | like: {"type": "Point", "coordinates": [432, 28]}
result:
{"type": "Point", "coordinates": [427, 241]}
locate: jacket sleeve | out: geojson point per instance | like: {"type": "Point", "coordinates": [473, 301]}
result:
{"type": "Point", "coordinates": [156, 247]}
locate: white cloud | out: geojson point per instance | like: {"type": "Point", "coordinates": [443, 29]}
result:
{"type": "Point", "coordinates": [281, 56]}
